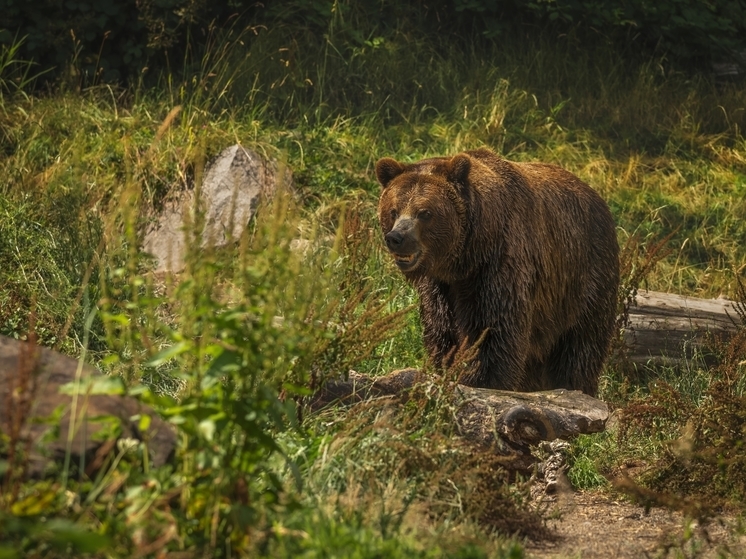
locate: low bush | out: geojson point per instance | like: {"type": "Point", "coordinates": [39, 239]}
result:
{"type": "Point", "coordinates": [701, 465]}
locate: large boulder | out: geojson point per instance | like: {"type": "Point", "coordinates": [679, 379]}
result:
{"type": "Point", "coordinates": [30, 400]}
{"type": "Point", "coordinates": [233, 184]}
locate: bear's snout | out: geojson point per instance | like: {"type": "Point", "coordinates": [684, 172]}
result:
{"type": "Point", "coordinates": [394, 240]}
{"type": "Point", "coordinates": [402, 239]}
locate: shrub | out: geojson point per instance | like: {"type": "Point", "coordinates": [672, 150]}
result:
{"type": "Point", "coordinates": [702, 466]}
{"type": "Point", "coordinates": [109, 40]}
{"type": "Point", "coordinates": [687, 29]}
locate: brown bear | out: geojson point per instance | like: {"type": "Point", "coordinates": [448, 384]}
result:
{"type": "Point", "coordinates": [522, 255]}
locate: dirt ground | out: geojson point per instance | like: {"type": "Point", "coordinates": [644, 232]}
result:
{"type": "Point", "coordinates": [596, 525]}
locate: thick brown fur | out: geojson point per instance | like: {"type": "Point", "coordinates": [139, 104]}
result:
{"type": "Point", "coordinates": [525, 253]}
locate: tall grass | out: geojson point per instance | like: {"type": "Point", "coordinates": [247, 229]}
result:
{"type": "Point", "coordinates": [665, 148]}
{"type": "Point", "coordinates": [16, 74]}
{"type": "Point", "coordinates": [226, 349]}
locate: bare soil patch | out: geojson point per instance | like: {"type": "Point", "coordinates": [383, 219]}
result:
{"type": "Point", "coordinates": [595, 524]}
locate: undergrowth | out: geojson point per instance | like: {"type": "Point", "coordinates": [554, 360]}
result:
{"type": "Point", "coordinates": [700, 466]}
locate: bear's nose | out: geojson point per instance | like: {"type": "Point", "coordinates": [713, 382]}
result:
{"type": "Point", "coordinates": [394, 239]}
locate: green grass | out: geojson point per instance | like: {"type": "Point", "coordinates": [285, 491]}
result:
{"type": "Point", "coordinates": [83, 172]}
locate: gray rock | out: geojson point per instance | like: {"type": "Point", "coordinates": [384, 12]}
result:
{"type": "Point", "coordinates": [233, 184]}
{"type": "Point", "coordinates": [30, 381]}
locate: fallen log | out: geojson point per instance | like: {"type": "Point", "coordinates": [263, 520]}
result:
{"type": "Point", "coordinates": [668, 329]}
{"type": "Point", "coordinates": [509, 423]}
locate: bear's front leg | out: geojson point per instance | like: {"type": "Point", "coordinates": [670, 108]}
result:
{"type": "Point", "coordinates": [500, 322]}
{"type": "Point", "coordinates": [500, 362]}
{"type": "Point", "coordinates": [438, 322]}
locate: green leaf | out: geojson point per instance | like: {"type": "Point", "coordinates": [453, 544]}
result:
{"type": "Point", "coordinates": [207, 428]}
{"type": "Point", "coordinates": [168, 353]}
{"type": "Point", "coordinates": [227, 361]}
{"type": "Point", "coordinates": [65, 532]}
{"type": "Point", "coordinates": [139, 390]}
{"type": "Point", "coordinates": [35, 503]}
{"type": "Point", "coordinates": [94, 385]}
{"type": "Point", "coordinates": [122, 319]}
{"type": "Point", "coordinates": [144, 423]}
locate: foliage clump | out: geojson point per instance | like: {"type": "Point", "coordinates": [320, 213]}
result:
{"type": "Point", "coordinates": [688, 29]}
{"type": "Point", "coordinates": [225, 350]}
{"type": "Point", "coordinates": [120, 41]}
{"type": "Point", "coordinates": [408, 447]}
{"type": "Point", "coordinates": [703, 464]}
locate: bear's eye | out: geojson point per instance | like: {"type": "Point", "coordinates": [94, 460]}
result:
{"type": "Point", "coordinates": [394, 215]}
{"type": "Point", "coordinates": [424, 215]}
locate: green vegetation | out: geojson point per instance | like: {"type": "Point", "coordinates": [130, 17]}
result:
{"type": "Point", "coordinates": [85, 168]}
{"type": "Point", "coordinates": [102, 41]}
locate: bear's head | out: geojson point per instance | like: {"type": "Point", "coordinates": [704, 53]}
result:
{"type": "Point", "coordinates": [422, 211]}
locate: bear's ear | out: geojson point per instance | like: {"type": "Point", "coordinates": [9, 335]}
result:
{"type": "Point", "coordinates": [459, 167]}
{"type": "Point", "coordinates": [387, 170]}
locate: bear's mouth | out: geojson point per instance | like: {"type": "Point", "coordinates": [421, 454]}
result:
{"type": "Point", "coordinates": [406, 262]}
